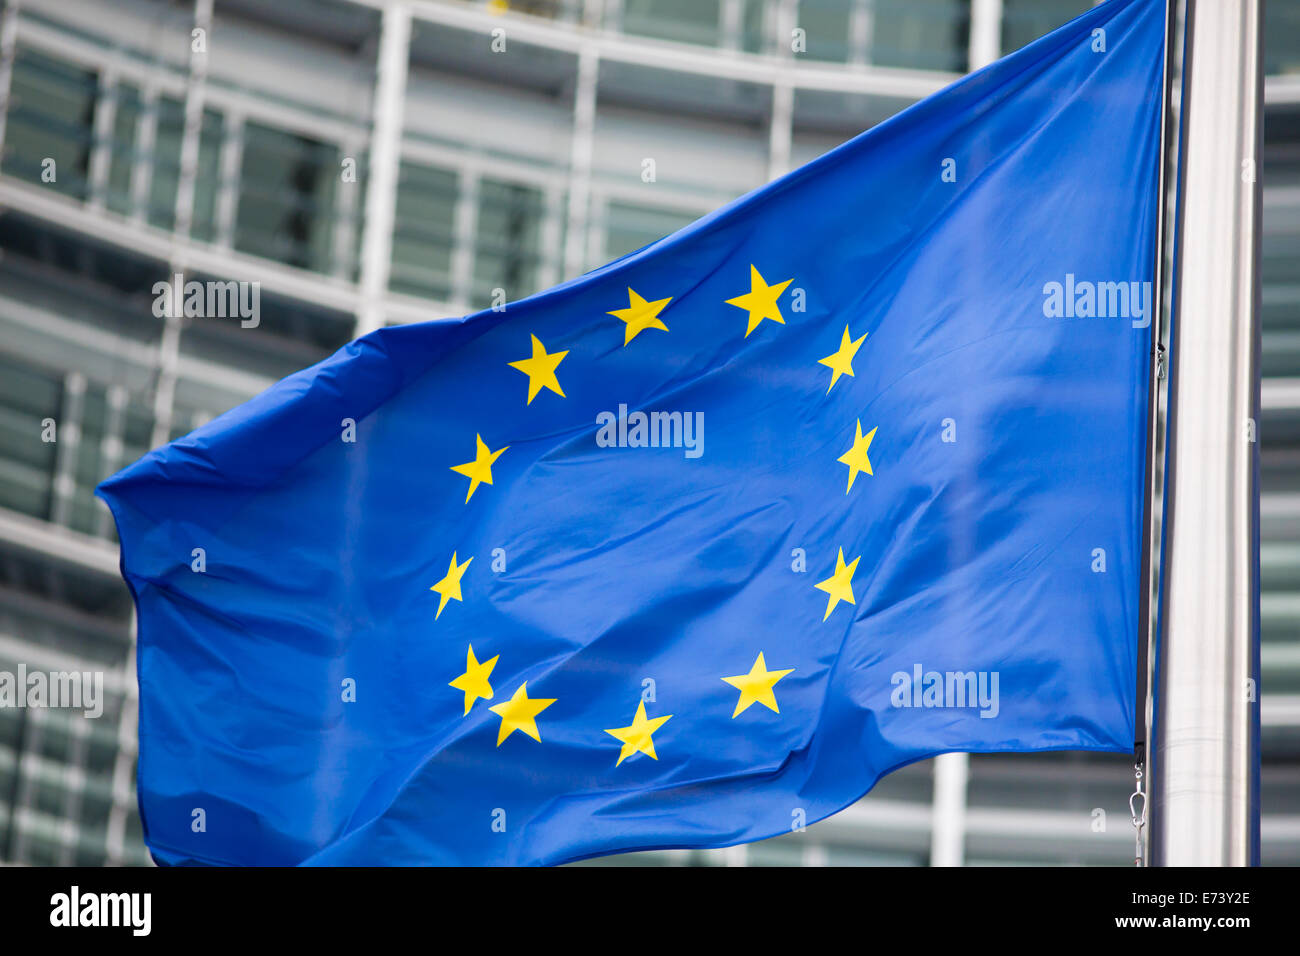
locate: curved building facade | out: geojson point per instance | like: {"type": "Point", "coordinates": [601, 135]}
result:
{"type": "Point", "coordinates": [345, 164]}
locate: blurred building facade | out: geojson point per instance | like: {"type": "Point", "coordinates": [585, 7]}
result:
{"type": "Point", "coordinates": [371, 162]}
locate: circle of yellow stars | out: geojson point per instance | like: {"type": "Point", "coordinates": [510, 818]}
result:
{"type": "Point", "coordinates": [520, 712]}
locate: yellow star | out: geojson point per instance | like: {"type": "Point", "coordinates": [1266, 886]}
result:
{"type": "Point", "coordinates": [856, 457]}
{"type": "Point", "coordinates": [480, 469]}
{"type": "Point", "coordinates": [449, 587]}
{"type": "Point", "coordinates": [840, 584]}
{"type": "Point", "coordinates": [474, 682]}
{"type": "Point", "coordinates": [760, 300]}
{"type": "Point", "coordinates": [841, 362]}
{"type": "Point", "coordinates": [540, 369]}
{"type": "Point", "coordinates": [638, 736]}
{"type": "Point", "coordinates": [640, 315]}
{"type": "Point", "coordinates": [756, 686]}
{"type": "Point", "coordinates": [520, 713]}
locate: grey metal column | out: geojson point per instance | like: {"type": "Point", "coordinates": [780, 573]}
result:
{"type": "Point", "coordinates": [582, 144]}
{"type": "Point", "coordinates": [391, 64]}
{"type": "Point", "coordinates": [985, 33]}
{"type": "Point", "coordinates": [1205, 751]}
{"type": "Point", "coordinates": [948, 815]}
{"type": "Point", "coordinates": [780, 127]}
{"type": "Point", "coordinates": [187, 175]}
{"type": "Point", "coordinates": [8, 46]}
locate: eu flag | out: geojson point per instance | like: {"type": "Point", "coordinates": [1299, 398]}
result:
{"type": "Point", "coordinates": [693, 549]}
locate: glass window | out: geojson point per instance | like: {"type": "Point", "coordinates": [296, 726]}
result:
{"type": "Point", "coordinates": [753, 25]}
{"type": "Point", "coordinates": [27, 398]}
{"type": "Point", "coordinates": [122, 151]}
{"type": "Point", "coordinates": [168, 129]}
{"type": "Point", "coordinates": [423, 231]}
{"type": "Point", "coordinates": [1024, 21]}
{"type": "Point", "coordinates": [51, 117]}
{"type": "Point", "coordinates": [286, 197]}
{"type": "Point", "coordinates": [137, 436]}
{"type": "Point", "coordinates": [167, 164]}
{"type": "Point", "coordinates": [348, 260]}
{"type": "Point", "coordinates": [507, 247]}
{"type": "Point", "coordinates": [88, 467]}
{"type": "Point", "coordinates": [921, 34]}
{"type": "Point", "coordinates": [630, 227]}
{"type": "Point", "coordinates": [206, 183]}
{"type": "Point", "coordinates": [686, 21]}
{"type": "Point", "coordinates": [1282, 37]}
{"type": "Point", "coordinates": [826, 27]}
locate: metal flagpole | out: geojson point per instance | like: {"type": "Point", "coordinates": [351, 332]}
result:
{"type": "Point", "coordinates": [1205, 744]}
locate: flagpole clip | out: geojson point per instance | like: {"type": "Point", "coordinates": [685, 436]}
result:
{"type": "Point", "coordinates": [1139, 816]}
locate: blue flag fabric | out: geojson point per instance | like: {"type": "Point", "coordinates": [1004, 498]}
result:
{"type": "Point", "coordinates": [693, 549]}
